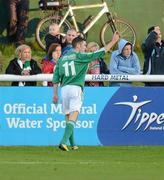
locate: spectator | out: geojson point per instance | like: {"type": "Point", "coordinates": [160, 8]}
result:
{"type": "Point", "coordinates": [124, 61]}
{"type": "Point", "coordinates": [23, 65]}
{"type": "Point", "coordinates": [67, 46]}
{"type": "Point", "coordinates": [96, 67]}
{"type": "Point", "coordinates": [49, 62]}
{"type": "Point", "coordinates": [53, 36]}
{"type": "Point", "coordinates": [18, 15]}
{"type": "Point", "coordinates": [153, 50]}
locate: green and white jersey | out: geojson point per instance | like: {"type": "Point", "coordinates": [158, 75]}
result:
{"type": "Point", "coordinates": [71, 68]}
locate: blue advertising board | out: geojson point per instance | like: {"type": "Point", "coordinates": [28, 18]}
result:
{"type": "Point", "coordinates": [109, 116]}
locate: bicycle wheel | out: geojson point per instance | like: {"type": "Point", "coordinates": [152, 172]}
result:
{"type": "Point", "coordinates": [43, 27]}
{"type": "Point", "coordinates": [125, 29]}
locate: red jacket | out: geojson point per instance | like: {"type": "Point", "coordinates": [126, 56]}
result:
{"type": "Point", "coordinates": [48, 68]}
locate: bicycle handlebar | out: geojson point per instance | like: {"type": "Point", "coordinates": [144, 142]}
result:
{"type": "Point", "coordinates": [72, 2]}
{"type": "Point", "coordinates": [104, 1]}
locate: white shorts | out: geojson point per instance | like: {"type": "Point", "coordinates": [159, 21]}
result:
{"type": "Point", "coordinates": [71, 98]}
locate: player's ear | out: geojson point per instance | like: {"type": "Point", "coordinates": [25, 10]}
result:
{"type": "Point", "coordinates": [78, 46]}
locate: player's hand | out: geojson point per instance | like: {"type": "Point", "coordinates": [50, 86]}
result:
{"type": "Point", "coordinates": [116, 37]}
{"type": "Point", "coordinates": [157, 30]}
{"type": "Point", "coordinates": [55, 99]}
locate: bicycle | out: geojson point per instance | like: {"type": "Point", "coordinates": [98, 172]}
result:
{"type": "Point", "coordinates": [68, 21]}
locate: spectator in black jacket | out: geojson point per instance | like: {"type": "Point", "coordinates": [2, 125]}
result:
{"type": "Point", "coordinates": [153, 49]}
{"type": "Point", "coordinates": [23, 65]}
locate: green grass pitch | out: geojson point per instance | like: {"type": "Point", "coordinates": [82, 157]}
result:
{"type": "Point", "coordinates": [97, 163]}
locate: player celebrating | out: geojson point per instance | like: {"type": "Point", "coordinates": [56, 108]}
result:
{"type": "Point", "coordinates": [70, 73]}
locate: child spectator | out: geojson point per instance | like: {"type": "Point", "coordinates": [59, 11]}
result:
{"type": "Point", "coordinates": [49, 62]}
{"type": "Point", "coordinates": [53, 36]}
{"type": "Point", "coordinates": [96, 67]}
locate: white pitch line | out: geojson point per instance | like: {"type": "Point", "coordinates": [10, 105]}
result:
{"type": "Point", "coordinates": [51, 162]}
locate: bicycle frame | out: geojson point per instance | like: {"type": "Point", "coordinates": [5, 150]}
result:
{"type": "Point", "coordinates": [103, 11]}
{"type": "Point", "coordinates": [111, 25]}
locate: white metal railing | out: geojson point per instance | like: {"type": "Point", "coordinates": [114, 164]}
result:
{"type": "Point", "coordinates": [89, 77]}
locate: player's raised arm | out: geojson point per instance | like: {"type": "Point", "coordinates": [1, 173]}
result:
{"type": "Point", "coordinates": [114, 40]}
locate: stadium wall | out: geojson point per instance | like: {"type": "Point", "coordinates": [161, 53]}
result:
{"type": "Point", "coordinates": [109, 116]}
